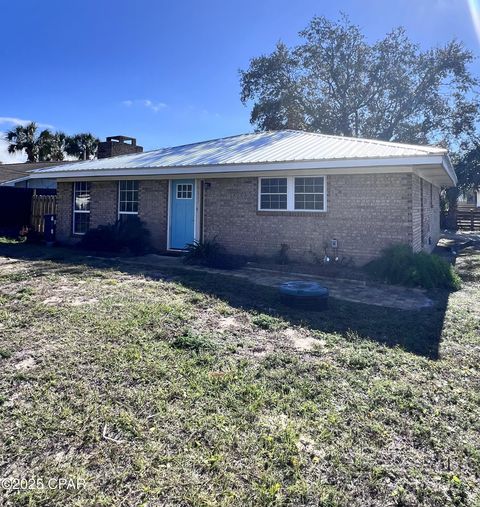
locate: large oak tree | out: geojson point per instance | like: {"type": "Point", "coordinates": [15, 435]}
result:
{"type": "Point", "coordinates": [336, 82]}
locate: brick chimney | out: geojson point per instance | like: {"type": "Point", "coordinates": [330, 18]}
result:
{"type": "Point", "coordinates": [118, 145]}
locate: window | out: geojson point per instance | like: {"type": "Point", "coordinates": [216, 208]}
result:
{"type": "Point", "coordinates": [273, 193]}
{"type": "Point", "coordinates": [292, 193]}
{"type": "Point", "coordinates": [81, 207]}
{"type": "Point", "coordinates": [184, 191]}
{"type": "Point", "coordinates": [128, 197]}
{"type": "Point", "coordinates": [309, 194]}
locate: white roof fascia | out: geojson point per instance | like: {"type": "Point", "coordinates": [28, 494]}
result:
{"type": "Point", "coordinates": [242, 168]}
{"type": "Point", "coordinates": [447, 165]}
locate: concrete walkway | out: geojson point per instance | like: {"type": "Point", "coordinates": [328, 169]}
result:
{"type": "Point", "coordinates": [356, 291]}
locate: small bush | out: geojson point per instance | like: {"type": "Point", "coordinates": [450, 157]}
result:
{"type": "Point", "coordinates": [199, 252]}
{"type": "Point", "coordinates": [213, 255]}
{"type": "Point", "coordinates": [399, 265]}
{"type": "Point", "coordinates": [129, 235]}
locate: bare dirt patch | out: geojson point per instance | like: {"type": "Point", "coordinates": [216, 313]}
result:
{"type": "Point", "coordinates": [300, 340]}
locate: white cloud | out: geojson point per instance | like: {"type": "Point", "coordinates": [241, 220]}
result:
{"type": "Point", "coordinates": [9, 120]}
{"type": "Point", "coordinates": [10, 158]}
{"type": "Point", "coordinates": [147, 103]}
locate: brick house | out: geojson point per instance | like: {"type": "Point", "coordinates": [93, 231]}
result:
{"type": "Point", "coordinates": [255, 192]}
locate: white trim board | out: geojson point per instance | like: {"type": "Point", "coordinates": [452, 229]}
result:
{"type": "Point", "coordinates": [440, 174]}
{"type": "Point", "coordinates": [372, 164]}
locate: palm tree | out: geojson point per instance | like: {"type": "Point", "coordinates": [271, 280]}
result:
{"type": "Point", "coordinates": [83, 146]}
{"type": "Point", "coordinates": [48, 146]}
{"type": "Point", "coordinates": [52, 146]}
{"type": "Point", "coordinates": [24, 137]}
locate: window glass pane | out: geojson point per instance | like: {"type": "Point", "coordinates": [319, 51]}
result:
{"type": "Point", "coordinates": [309, 193]}
{"type": "Point", "coordinates": [129, 185]}
{"type": "Point", "coordinates": [81, 222]}
{"type": "Point", "coordinates": [128, 196]}
{"type": "Point", "coordinates": [273, 201]}
{"type": "Point", "coordinates": [309, 201]}
{"type": "Point", "coordinates": [273, 193]}
{"type": "Point", "coordinates": [82, 196]}
{"type": "Point", "coordinates": [274, 186]}
{"type": "Point", "coordinates": [184, 191]}
{"type": "Point", "coordinates": [309, 185]}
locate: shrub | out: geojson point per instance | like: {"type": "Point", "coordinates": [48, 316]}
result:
{"type": "Point", "coordinates": [213, 255]}
{"type": "Point", "coordinates": [199, 252]}
{"type": "Point", "coordinates": [399, 265]}
{"type": "Point", "coordinates": [129, 235]}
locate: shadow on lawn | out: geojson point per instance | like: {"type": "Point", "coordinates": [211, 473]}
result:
{"type": "Point", "coordinates": [418, 332]}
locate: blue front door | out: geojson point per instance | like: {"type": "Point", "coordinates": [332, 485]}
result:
{"type": "Point", "coordinates": [182, 213]}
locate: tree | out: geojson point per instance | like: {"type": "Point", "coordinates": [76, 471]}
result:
{"type": "Point", "coordinates": [335, 82]}
{"type": "Point", "coordinates": [467, 168]}
{"type": "Point", "coordinates": [83, 146]}
{"type": "Point", "coordinates": [276, 82]}
{"type": "Point", "coordinates": [26, 137]}
{"type": "Point", "coordinates": [52, 146]}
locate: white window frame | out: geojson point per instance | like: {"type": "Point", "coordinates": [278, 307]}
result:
{"type": "Point", "coordinates": [75, 211]}
{"type": "Point", "coordinates": [291, 194]}
{"type": "Point", "coordinates": [118, 200]}
{"type": "Point", "coordinates": [260, 193]}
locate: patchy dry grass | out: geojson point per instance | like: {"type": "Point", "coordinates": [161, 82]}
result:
{"type": "Point", "coordinates": [176, 388]}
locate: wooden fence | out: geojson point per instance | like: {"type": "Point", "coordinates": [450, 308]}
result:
{"type": "Point", "coordinates": [42, 205]}
{"type": "Point", "coordinates": [468, 219]}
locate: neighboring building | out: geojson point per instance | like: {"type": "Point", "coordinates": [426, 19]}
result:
{"type": "Point", "coordinates": [255, 192]}
{"type": "Point", "coordinates": [18, 175]}
{"type": "Point", "coordinates": [470, 199]}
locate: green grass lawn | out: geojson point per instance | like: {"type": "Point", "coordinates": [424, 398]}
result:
{"type": "Point", "coordinates": [174, 388]}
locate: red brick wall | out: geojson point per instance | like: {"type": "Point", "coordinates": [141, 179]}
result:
{"type": "Point", "coordinates": [103, 203]}
{"type": "Point", "coordinates": [153, 202]}
{"type": "Point", "coordinates": [426, 228]}
{"type": "Point", "coordinates": [365, 213]}
{"type": "Point", "coordinates": [152, 209]}
{"type": "Point", "coordinates": [64, 210]}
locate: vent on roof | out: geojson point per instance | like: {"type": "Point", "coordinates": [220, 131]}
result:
{"type": "Point", "coordinates": [118, 145]}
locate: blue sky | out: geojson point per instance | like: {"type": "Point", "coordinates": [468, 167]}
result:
{"type": "Point", "coordinates": [166, 72]}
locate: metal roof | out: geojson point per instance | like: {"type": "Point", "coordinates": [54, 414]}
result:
{"type": "Point", "coordinates": [257, 148]}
